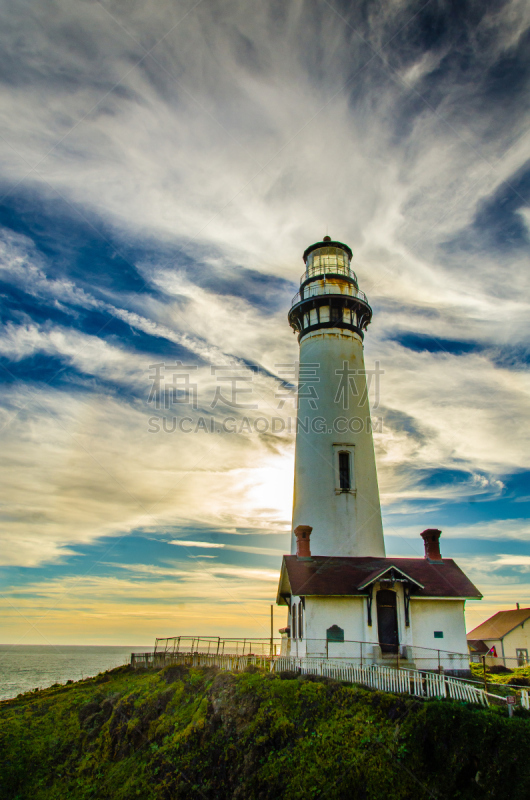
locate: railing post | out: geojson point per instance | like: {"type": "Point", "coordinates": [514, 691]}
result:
{"type": "Point", "coordinates": [361, 654]}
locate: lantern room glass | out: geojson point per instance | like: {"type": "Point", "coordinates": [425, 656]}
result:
{"type": "Point", "coordinates": [327, 260]}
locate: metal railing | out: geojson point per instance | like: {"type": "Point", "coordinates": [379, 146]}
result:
{"type": "Point", "coordinates": [371, 652]}
{"type": "Point", "coordinates": [349, 649]}
{"type": "Point", "coordinates": [328, 269]}
{"type": "Point", "coordinates": [510, 662]}
{"type": "Point", "coordinates": [231, 663]}
{"type": "Point", "coordinates": [216, 645]}
{"type": "Point", "coordinates": [345, 290]}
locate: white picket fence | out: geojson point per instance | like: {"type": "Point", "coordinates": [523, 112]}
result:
{"type": "Point", "coordinates": [386, 679]}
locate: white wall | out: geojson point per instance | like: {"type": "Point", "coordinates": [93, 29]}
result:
{"type": "Point", "coordinates": [346, 612]}
{"type": "Point", "coordinates": [428, 615]}
{"type": "Point", "coordinates": [350, 614]}
{"type": "Point", "coordinates": [320, 614]}
{"type": "Point", "coordinates": [344, 524]}
{"type": "Point", "coordinates": [518, 638]}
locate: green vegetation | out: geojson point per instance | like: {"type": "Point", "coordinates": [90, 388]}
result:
{"type": "Point", "coordinates": [189, 733]}
{"type": "Point", "coordinates": [505, 680]}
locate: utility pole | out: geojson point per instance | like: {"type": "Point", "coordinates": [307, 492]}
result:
{"type": "Point", "coordinates": [272, 629]}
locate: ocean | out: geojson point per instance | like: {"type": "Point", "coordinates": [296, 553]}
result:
{"type": "Point", "coordinates": [24, 667]}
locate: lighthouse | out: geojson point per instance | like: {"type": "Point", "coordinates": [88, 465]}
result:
{"type": "Point", "coordinates": [345, 598]}
{"type": "Point", "coordinates": [335, 483]}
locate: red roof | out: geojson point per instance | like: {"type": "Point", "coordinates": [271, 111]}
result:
{"type": "Point", "coordinates": [323, 576]}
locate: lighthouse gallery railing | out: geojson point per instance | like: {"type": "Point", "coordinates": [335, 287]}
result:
{"type": "Point", "coordinates": [345, 290]}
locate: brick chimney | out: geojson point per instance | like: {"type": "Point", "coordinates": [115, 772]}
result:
{"type": "Point", "coordinates": [302, 533]}
{"type": "Point", "coordinates": [431, 538]}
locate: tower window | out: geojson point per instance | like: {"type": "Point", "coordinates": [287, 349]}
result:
{"type": "Point", "coordinates": [344, 472]}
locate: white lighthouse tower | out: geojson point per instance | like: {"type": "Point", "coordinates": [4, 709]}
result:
{"type": "Point", "coordinates": [335, 484]}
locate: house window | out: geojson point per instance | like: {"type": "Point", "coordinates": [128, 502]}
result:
{"type": "Point", "coordinates": [522, 657]}
{"type": "Point", "coordinates": [344, 471]}
{"type": "Point", "coordinates": [438, 634]}
{"type": "Point", "coordinates": [335, 634]}
{"type": "Point", "coordinates": [293, 621]}
{"type": "Point", "coordinates": [300, 621]}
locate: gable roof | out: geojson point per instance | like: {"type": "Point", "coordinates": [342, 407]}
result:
{"type": "Point", "coordinates": [478, 646]}
{"type": "Point", "coordinates": [501, 623]}
{"type": "Point", "coordinates": [348, 576]}
{"type": "Point", "coordinates": [378, 574]}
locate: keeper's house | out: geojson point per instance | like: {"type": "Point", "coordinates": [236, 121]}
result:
{"type": "Point", "coordinates": [375, 609]}
{"type": "Point", "coordinates": [504, 639]}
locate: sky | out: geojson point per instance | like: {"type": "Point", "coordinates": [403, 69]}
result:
{"type": "Point", "coordinates": [163, 166]}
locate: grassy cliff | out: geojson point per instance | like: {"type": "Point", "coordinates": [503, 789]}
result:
{"type": "Point", "coordinates": [186, 733]}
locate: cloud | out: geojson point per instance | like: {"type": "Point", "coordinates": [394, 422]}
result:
{"type": "Point", "coordinates": [195, 544]}
{"type": "Point", "coordinates": [155, 206]}
{"type": "Point", "coordinates": [78, 467]}
{"type": "Point", "coordinates": [260, 551]}
{"type": "Point", "coordinates": [138, 607]}
{"type": "Point", "coordinates": [493, 529]}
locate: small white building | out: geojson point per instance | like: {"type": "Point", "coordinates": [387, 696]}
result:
{"type": "Point", "coordinates": [376, 610]}
{"type": "Point", "coordinates": [345, 598]}
{"type": "Point", "coordinates": [504, 639]}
